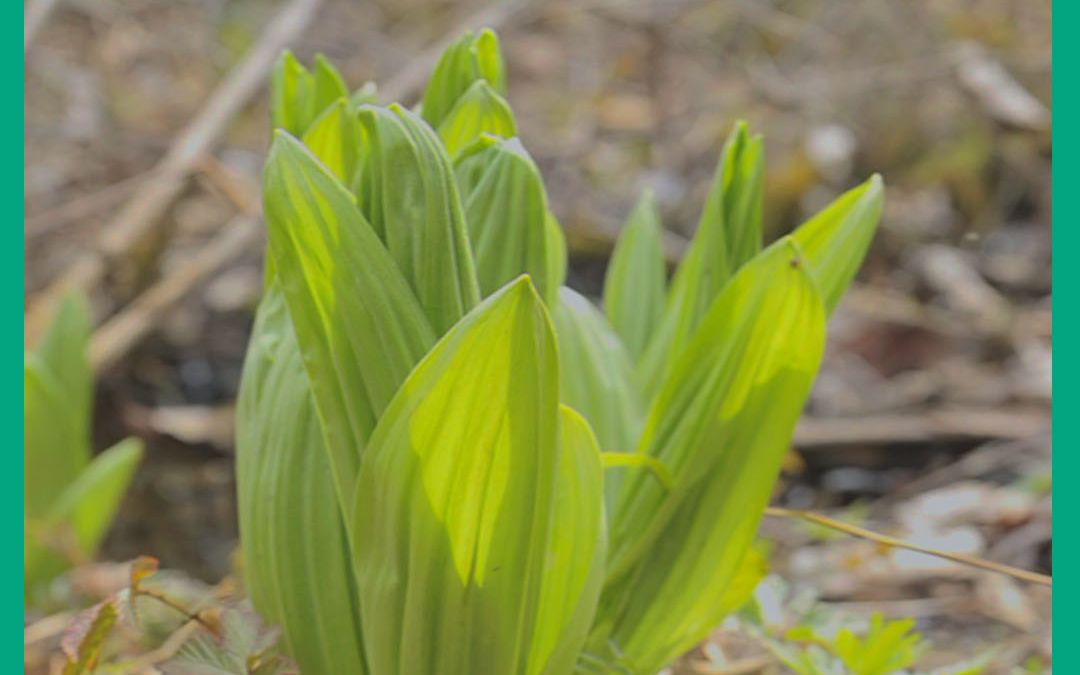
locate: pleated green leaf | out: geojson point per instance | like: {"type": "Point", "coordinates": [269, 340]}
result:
{"type": "Point", "coordinates": [297, 560]}
{"type": "Point", "coordinates": [577, 548]}
{"type": "Point", "coordinates": [358, 324]}
{"type": "Point", "coordinates": [507, 213]}
{"type": "Point", "coordinates": [78, 520]}
{"type": "Point", "coordinates": [410, 197]}
{"type": "Point", "coordinates": [298, 96]}
{"type": "Point", "coordinates": [635, 285]}
{"type": "Point", "coordinates": [458, 499]}
{"type": "Point", "coordinates": [480, 110]}
{"type": "Point", "coordinates": [728, 234]}
{"type": "Point", "coordinates": [721, 424]}
{"type": "Point", "coordinates": [335, 138]}
{"type": "Point", "coordinates": [836, 239]}
{"type": "Point", "coordinates": [555, 257]}
{"type": "Point", "coordinates": [470, 58]}
{"type": "Point", "coordinates": [596, 378]}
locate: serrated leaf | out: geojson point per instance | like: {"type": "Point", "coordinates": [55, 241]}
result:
{"type": "Point", "coordinates": [835, 241]}
{"type": "Point", "coordinates": [480, 110]}
{"type": "Point", "coordinates": [335, 139]}
{"type": "Point", "coordinates": [728, 235]}
{"type": "Point", "coordinates": [470, 58]}
{"type": "Point", "coordinates": [358, 324]}
{"type": "Point", "coordinates": [83, 640]}
{"type": "Point", "coordinates": [408, 193]}
{"type": "Point", "coordinates": [297, 559]}
{"type": "Point", "coordinates": [455, 503]}
{"type": "Point", "coordinates": [721, 423]}
{"type": "Point", "coordinates": [635, 284]}
{"type": "Point", "coordinates": [507, 214]}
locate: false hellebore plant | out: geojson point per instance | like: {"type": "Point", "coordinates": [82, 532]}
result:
{"type": "Point", "coordinates": [448, 462]}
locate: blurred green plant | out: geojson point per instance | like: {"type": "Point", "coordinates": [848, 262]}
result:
{"type": "Point", "coordinates": [447, 461]}
{"type": "Point", "coordinates": [812, 638]}
{"type": "Point", "coordinates": [70, 497]}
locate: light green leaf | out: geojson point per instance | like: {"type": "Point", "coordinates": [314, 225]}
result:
{"type": "Point", "coordinates": [297, 560]}
{"type": "Point", "coordinates": [506, 209]}
{"type": "Point", "coordinates": [480, 110]}
{"type": "Point", "coordinates": [75, 524]}
{"type": "Point", "coordinates": [577, 547]}
{"type": "Point", "coordinates": [635, 284]}
{"type": "Point", "coordinates": [456, 500]}
{"type": "Point", "coordinates": [409, 195]}
{"type": "Point", "coordinates": [55, 443]}
{"type": "Point", "coordinates": [638, 461]}
{"type": "Point", "coordinates": [597, 377]}
{"type": "Point", "coordinates": [57, 390]}
{"type": "Point", "coordinates": [290, 89]}
{"type": "Point", "coordinates": [470, 58]}
{"type": "Point", "coordinates": [728, 234]}
{"type": "Point", "coordinates": [298, 96]}
{"type": "Point", "coordinates": [327, 85]}
{"type": "Point", "coordinates": [358, 324]}
{"type": "Point", "coordinates": [721, 423]}
{"type": "Point", "coordinates": [335, 138]}
{"type": "Point", "coordinates": [836, 239]}
{"type": "Point", "coordinates": [555, 257]}
{"type": "Point", "coordinates": [367, 94]}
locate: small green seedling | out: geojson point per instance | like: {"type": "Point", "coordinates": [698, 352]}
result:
{"type": "Point", "coordinates": [70, 497]}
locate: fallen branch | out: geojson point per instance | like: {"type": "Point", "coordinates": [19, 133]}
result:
{"type": "Point", "coordinates": [893, 542]}
{"type": "Point", "coordinates": [141, 214]}
{"type": "Point", "coordinates": [120, 333]}
{"type": "Point", "coordinates": [117, 335]}
{"type": "Point", "coordinates": [955, 424]}
{"type": "Point", "coordinates": [37, 12]}
{"type": "Point", "coordinates": [82, 207]}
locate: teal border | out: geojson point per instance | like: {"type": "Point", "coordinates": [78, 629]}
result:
{"type": "Point", "coordinates": [11, 280]}
{"type": "Point", "coordinates": [1065, 405]}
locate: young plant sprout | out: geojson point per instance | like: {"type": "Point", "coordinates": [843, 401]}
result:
{"type": "Point", "coordinates": [449, 463]}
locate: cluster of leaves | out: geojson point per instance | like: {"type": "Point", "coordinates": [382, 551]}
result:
{"type": "Point", "coordinates": [811, 638]}
{"type": "Point", "coordinates": [70, 497]}
{"type": "Point", "coordinates": [447, 461]}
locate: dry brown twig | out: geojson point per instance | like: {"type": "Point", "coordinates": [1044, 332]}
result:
{"type": "Point", "coordinates": [893, 542]}
{"type": "Point", "coordinates": [141, 214]}
{"type": "Point", "coordinates": [114, 338]}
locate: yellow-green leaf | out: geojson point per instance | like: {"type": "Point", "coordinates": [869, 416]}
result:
{"type": "Point", "coordinates": [480, 110]}
{"type": "Point", "coordinates": [457, 501]}
{"type": "Point", "coordinates": [728, 235]}
{"type": "Point", "coordinates": [358, 324]}
{"type": "Point", "coordinates": [297, 559]}
{"type": "Point", "coordinates": [597, 376]}
{"type": "Point", "coordinates": [470, 58]}
{"type": "Point", "coordinates": [836, 239]}
{"type": "Point", "coordinates": [635, 284]}
{"type": "Point", "coordinates": [506, 210]}
{"type": "Point", "coordinates": [721, 423]}
{"type": "Point", "coordinates": [335, 139]}
{"type": "Point", "coordinates": [409, 195]}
